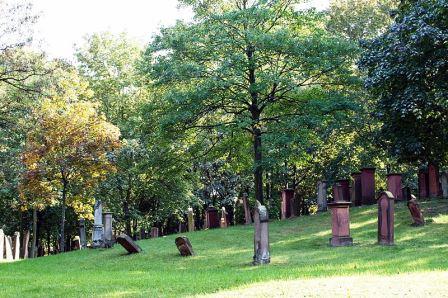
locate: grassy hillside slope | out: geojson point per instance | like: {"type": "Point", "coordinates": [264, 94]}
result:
{"type": "Point", "coordinates": [299, 249]}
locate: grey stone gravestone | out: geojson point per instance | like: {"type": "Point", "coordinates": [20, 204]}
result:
{"type": "Point", "coordinates": [25, 242]}
{"type": "Point", "coordinates": [108, 234]}
{"type": "Point", "coordinates": [184, 246]}
{"type": "Point", "coordinates": [154, 232]}
{"type": "Point", "coordinates": [223, 222]}
{"type": "Point", "coordinates": [2, 245]}
{"type": "Point", "coordinates": [16, 246]}
{"type": "Point", "coordinates": [8, 249]}
{"type": "Point", "coordinates": [190, 220]}
{"type": "Point", "coordinates": [261, 235]}
{"type": "Point", "coordinates": [98, 232]}
{"type": "Point", "coordinates": [82, 233]}
{"type": "Point", "coordinates": [128, 244]}
{"type": "Point", "coordinates": [322, 196]}
{"type": "Point", "coordinates": [444, 183]}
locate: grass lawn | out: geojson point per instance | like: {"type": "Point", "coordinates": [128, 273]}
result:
{"type": "Point", "coordinates": [302, 263]}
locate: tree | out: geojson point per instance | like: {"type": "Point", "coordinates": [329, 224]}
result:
{"type": "Point", "coordinates": [240, 65]}
{"type": "Point", "coordinates": [67, 153]}
{"type": "Point", "coordinates": [407, 71]}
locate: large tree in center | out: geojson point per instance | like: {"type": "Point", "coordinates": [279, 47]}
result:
{"type": "Point", "coordinates": [240, 65]}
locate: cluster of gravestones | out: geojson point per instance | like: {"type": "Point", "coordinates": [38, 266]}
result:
{"type": "Point", "coordinates": [9, 247]}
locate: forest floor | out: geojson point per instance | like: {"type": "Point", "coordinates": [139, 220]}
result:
{"type": "Point", "coordinates": [302, 263]}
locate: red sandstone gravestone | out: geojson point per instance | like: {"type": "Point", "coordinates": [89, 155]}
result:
{"type": "Point", "coordinates": [184, 246]}
{"type": "Point", "coordinates": [212, 218]}
{"type": "Point", "coordinates": [433, 181]}
{"type": "Point", "coordinates": [368, 186]}
{"type": "Point", "coordinates": [340, 223]}
{"type": "Point", "coordinates": [356, 189]}
{"type": "Point", "coordinates": [128, 244]}
{"type": "Point", "coordinates": [154, 232]}
{"type": "Point", "coordinates": [423, 189]}
{"type": "Point", "coordinates": [386, 218]}
{"type": "Point", "coordinates": [287, 203]}
{"type": "Point", "coordinates": [416, 213]}
{"type": "Point", "coordinates": [394, 185]}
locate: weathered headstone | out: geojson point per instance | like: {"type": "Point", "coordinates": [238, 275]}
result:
{"type": "Point", "coordinates": [190, 220]}
{"type": "Point", "coordinates": [322, 196]}
{"type": "Point", "coordinates": [433, 181]}
{"type": "Point", "coordinates": [76, 243]}
{"type": "Point", "coordinates": [416, 212]}
{"type": "Point", "coordinates": [16, 246]}
{"type": "Point", "coordinates": [2, 245]}
{"type": "Point", "coordinates": [444, 184]}
{"type": "Point", "coordinates": [394, 185]}
{"type": "Point", "coordinates": [223, 222]}
{"type": "Point", "coordinates": [154, 232]}
{"type": "Point", "coordinates": [82, 233]}
{"type": "Point", "coordinates": [128, 244]}
{"type": "Point", "coordinates": [184, 246]}
{"type": "Point", "coordinates": [98, 229]}
{"type": "Point", "coordinates": [108, 231]}
{"type": "Point", "coordinates": [25, 242]}
{"type": "Point", "coordinates": [386, 218]}
{"type": "Point", "coordinates": [261, 235]}
{"type": "Point", "coordinates": [247, 215]}
{"type": "Point", "coordinates": [287, 204]}
{"type": "Point", "coordinates": [356, 189]}
{"type": "Point", "coordinates": [368, 186]}
{"type": "Point", "coordinates": [423, 187]}
{"type": "Point", "coordinates": [340, 223]}
{"type": "Point", "coordinates": [211, 214]}
{"type": "Point", "coordinates": [8, 249]}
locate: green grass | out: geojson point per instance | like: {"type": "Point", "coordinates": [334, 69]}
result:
{"type": "Point", "coordinates": [299, 249]}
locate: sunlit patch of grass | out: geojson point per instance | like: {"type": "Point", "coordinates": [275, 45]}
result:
{"type": "Point", "coordinates": [299, 250]}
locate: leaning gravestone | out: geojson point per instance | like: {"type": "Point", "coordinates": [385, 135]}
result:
{"type": "Point", "coordinates": [184, 246]}
{"type": "Point", "coordinates": [416, 213]}
{"type": "Point", "coordinates": [8, 249]}
{"type": "Point", "coordinates": [261, 235]}
{"type": "Point", "coordinates": [2, 245]}
{"type": "Point", "coordinates": [128, 244]}
{"type": "Point", "coordinates": [386, 218]}
{"type": "Point", "coordinates": [16, 246]}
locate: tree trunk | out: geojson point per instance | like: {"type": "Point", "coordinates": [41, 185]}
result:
{"type": "Point", "coordinates": [258, 168]}
{"type": "Point", "coordinates": [33, 247]}
{"type": "Point", "coordinates": [64, 196]}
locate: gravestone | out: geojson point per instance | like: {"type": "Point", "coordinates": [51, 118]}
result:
{"type": "Point", "coordinates": [423, 188]}
{"type": "Point", "coordinates": [261, 235]}
{"type": "Point", "coordinates": [2, 245]}
{"type": "Point", "coordinates": [356, 189]}
{"type": "Point", "coordinates": [322, 196]}
{"type": "Point", "coordinates": [16, 246]}
{"type": "Point", "coordinates": [82, 233]}
{"type": "Point", "coordinates": [394, 185]}
{"type": "Point", "coordinates": [25, 242]}
{"type": "Point", "coordinates": [184, 246]}
{"type": "Point", "coordinates": [368, 186]}
{"type": "Point", "coordinates": [212, 218]}
{"type": "Point", "coordinates": [386, 218]}
{"type": "Point", "coordinates": [108, 230]}
{"type": "Point", "coordinates": [444, 184]}
{"type": "Point", "coordinates": [416, 212]}
{"type": "Point", "coordinates": [8, 249]}
{"type": "Point", "coordinates": [433, 181]}
{"type": "Point", "coordinates": [190, 220]}
{"type": "Point", "coordinates": [76, 243]}
{"type": "Point", "coordinates": [98, 230]}
{"type": "Point", "coordinates": [247, 215]}
{"type": "Point", "coordinates": [340, 224]}
{"type": "Point", "coordinates": [154, 232]}
{"type": "Point", "coordinates": [128, 244]}
{"type": "Point", "coordinates": [287, 203]}
{"type": "Point", "coordinates": [223, 223]}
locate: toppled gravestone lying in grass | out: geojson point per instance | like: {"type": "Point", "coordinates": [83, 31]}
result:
{"type": "Point", "coordinates": [184, 246]}
{"type": "Point", "coordinates": [128, 244]}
